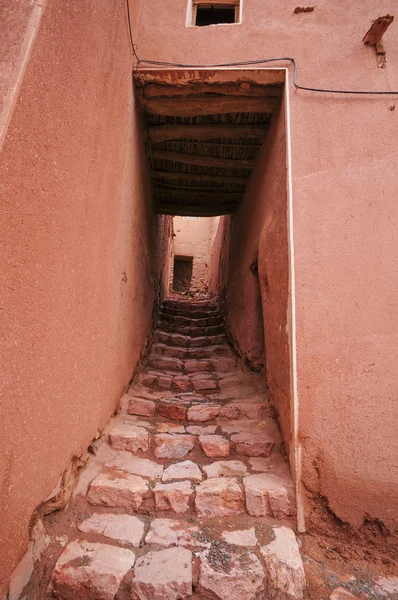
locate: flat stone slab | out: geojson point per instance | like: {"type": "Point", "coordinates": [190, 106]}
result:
{"type": "Point", "coordinates": [172, 409]}
{"type": "Point", "coordinates": [144, 467]}
{"type": "Point", "coordinates": [183, 470]}
{"type": "Point", "coordinates": [140, 406]}
{"type": "Point", "coordinates": [242, 410]}
{"type": "Point", "coordinates": [386, 586]}
{"type": "Point", "coordinates": [85, 571]}
{"type": "Point", "coordinates": [238, 426]}
{"type": "Point", "coordinates": [123, 492]}
{"type": "Point", "coordinates": [285, 571]}
{"type": "Point", "coordinates": [171, 532]}
{"type": "Point", "coordinates": [173, 496]}
{"type": "Point", "coordinates": [341, 593]}
{"type": "Point", "coordinates": [203, 412]}
{"type": "Point", "coordinates": [239, 575]}
{"type": "Point", "coordinates": [173, 445]}
{"type": "Point", "coordinates": [259, 464]}
{"type": "Point", "coordinates": [243, 537]}
{"type": "Point", "coordinates": [129, 437]}
{"type": "Point", "coordinates": [162, 575]}
{"type": "Point", "coordinates": [125, 529]}
{"type": "Point", "coordinates": [266, 495]}
{"type": "Point", "coordinates": [219, 497]}
{"type": "Point", "coordinates": [214, 445]}
{"type": "Point", "coordinates": [204, 430]}
{"type": "Point", "coordinates": [252, 443]}
{"type": "Point", "coordinates": [170, 428]}
{"type": "Point", "coordinates": [225, 468]}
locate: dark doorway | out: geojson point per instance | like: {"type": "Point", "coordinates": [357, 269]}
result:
{"type": "Point", "coordinates": [182, 274]}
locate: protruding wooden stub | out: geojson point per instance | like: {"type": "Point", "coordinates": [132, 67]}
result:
{"type": "Point", "coordinates": [377, 30]}
{"type": "Point", "coordinates": [303, 9]}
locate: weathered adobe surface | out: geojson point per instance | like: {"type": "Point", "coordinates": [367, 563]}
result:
{"type": "Point", "coordinates": [188, 493]}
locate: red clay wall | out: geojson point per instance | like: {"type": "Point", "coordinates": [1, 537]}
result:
{"type": "Point", "coordinates": [345, 167]}
{"type": "Point", "coordinates": [77, 237]}
{"type": "Point", "coordinates": [270, 180]}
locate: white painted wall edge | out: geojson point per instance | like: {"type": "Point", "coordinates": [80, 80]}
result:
{"type": "Point", "coordinates": [20, 68]}
{"type": "Point", "coordinates": [296, 447]}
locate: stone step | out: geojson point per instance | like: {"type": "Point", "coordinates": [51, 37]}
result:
{"type": "Point", "coordinates": [204, 382]}
{"type": "Point", "coordinates": [191, 365]}
{"type": "Point", "coordinates": [233, 565]}
{"type": "Point", "coordinates": [191, 313]}
{"type": "Point", "coordinates": [186, 341]}
{"type": "Point", "coordinates": [189, 321]}
{"type": "Point", "coordinates": [190, 305]}
{"type": "Point", "coordinates": [182, 352]}
{"type": "Point", "coordinates": [189, 330]}
{"type": "Point", "coordinates": [176, 408]}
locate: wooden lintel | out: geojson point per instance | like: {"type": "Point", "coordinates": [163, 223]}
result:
{"type": "Point", "coordinates": [216, 2]}
{"type": "Point", "coordinates": [203, 177]}
{"type": "Point", "coordinates": [195, 106]}
{"type": "Point", "coordinates": [195, 211]}
{"type": "Point", "coordinates": [239, 88]}
{"type": "Point", "coordinates": [203, 161]}
{"type": "Point", "coordinates": [377, 30]}
{"type": "Point", "coordinates": [163, 133]}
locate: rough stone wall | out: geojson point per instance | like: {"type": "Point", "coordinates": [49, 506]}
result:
{"type": "Point", "coordinates": [80, 273]}
{"type": "Point", "coordinates": [344, 177]}
{"type": "Point", "coordinates": [195, 237]}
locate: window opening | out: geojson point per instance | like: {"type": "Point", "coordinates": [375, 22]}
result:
{"type": "Point", "coordinates": [182, 274]}
{"type": "Point", "coordinates": [206, 13]}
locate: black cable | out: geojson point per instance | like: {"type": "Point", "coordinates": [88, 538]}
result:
{"type": "Point", "coordinates": [259, 61]}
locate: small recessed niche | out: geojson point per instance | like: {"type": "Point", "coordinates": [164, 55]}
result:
{"type": "Point", "coordinates": [202, 14]}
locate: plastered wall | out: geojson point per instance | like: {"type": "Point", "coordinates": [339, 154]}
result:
{"type": "Point", "coordinates": [344, 180]}
{"type": "Point", "coordinates": [79, 270]}
{"type": "Point", "coordinates": [195, 237]}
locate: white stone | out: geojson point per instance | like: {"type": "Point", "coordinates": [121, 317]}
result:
{"type": "Point", "coordinates": [86, 571]}
{"type": "Point", "coordinates": [245, 537]}
{"type": "Point", "coordinates": [225, 468]}
{"type": "Point", "coordinates": [171, 532]}
{"type": "Point", "coordinates": [125, 461]}
{"type": "Point", "coordinates": [163, 575]}
{"type": "Point", "coordinates": [239, 576]}
{"type": "Point", "coordinates": [182, 470]}
{"type": "Point", "coordinates": [125, 529]}
{"type": "Point", "coordinates": [285, 571]}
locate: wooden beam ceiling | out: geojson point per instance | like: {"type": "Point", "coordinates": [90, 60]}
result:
{"type": "Point", "coordinates": [206, 121]}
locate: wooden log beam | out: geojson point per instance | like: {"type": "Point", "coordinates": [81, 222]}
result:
{"type": "Point", "coordinates": [203, 161]}
{"type": "Point", "coordinates": [195, 211]}
{"type": "Point", "coordinates": [239, 88]}
{"type": "Point", "coordinates": [202, 177]}
{"type": "Point", "coordinates": [197, 194]}
{"type": "Point", "coordinates": [377, 30]}
{"type": "Point", "coordinates": [163, 133]}
{"type": "Point", "coordinates": [196, 106]}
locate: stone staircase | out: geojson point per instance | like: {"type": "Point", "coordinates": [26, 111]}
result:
{"type": "Point", "coordinates": [188, 493]}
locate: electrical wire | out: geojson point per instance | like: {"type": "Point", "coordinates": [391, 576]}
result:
{"type": "Point", "coordinates": [246, 63]}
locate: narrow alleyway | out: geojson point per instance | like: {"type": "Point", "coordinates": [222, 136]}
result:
{"type": "Point", "coordinates": [188, 494]}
